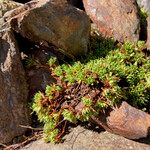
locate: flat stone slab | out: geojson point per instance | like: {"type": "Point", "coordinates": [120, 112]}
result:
{"type": "Point", "coordinates": [83, 139]}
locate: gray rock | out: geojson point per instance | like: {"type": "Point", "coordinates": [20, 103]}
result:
{"type": "Point", "coordinates": [13, 89]}
{"type": "Point", "coordinates": [83, 139]}
{"type": "Point", "coordinates": [54, 22]}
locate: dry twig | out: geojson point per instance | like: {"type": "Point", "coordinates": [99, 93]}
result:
{"type": "Point", "coordinates": [19, 145]}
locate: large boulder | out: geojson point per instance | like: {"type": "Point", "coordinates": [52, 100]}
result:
{"type": "Point", "coordinates": [54, 22]}
{"type": "Point", "coordinates": [13, 89]}
{"type": "Point", "coordinates": [118, 19]}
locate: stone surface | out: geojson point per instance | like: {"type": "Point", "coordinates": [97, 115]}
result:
{"type": "Point", "coordinates": [126, 121]}
{"type": "Point", "coordinates": [38, 72]}
{"type": "Point", "coordinates": [54, 22]}
{"type": "Point", "coordinates": [148, 33]}
{"type": "Point", "coordinates": [6, 5]}
{"type": "Point", "coordinates": [13, 89]}
{"type": "Point", "coordinates": [38, 79]}
{"type": "Point", "coordinates": [83, 139]}
{"type": "Point", "coordinates": [118, 19]}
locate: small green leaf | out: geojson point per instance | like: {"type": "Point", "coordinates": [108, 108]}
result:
{"type": "Point", "coordinates": [86, 101]}
{"type": "Point", "coordinates": [52, 61]}
{"type": "Point", "coordinates": [100, 105]}
{"type": "Point", "coordinates": [68, 115]}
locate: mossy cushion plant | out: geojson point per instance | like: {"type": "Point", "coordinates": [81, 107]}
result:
{"type": "Point", "coordinates": [87, 88]}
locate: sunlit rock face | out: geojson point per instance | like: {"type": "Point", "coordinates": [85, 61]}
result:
{"type": "Point", "coordinates": [117, 19]}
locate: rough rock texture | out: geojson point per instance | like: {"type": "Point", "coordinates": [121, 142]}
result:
{"type": "Point", "coordinates": [83, 139]}
{"type": "Point", "coordinates": [37, 70]}
{"type": "Point", "coordinates": [38, 79]}
{"type": "Point", "coordinates": [148, 33]}
{"type": "Point", "coordinates": [54, 22]}
{"type": "Point", "coordinates": [126, 121]}
{"type": "Point", "coordinates": [6, 5]}
{"type": "Point", "coordinates": [144, 4]}
{"type": "Point", "coordinates": [117, 19]}
{"type": "Point", "coordinates": [13, 89]}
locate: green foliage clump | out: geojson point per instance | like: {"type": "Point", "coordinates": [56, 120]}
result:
{"type": "Point", "coordinates": [86, 101]}
{"type": "Point", "coordinates": [143, 15]}
{"type": "Point", "coordinates": [54, 116]}
{"type": "Point", "coordinates": [52, 61]}
{"type": "Point", "coordinates": [122, 74]}
{"type": "Point", "coordinates": [69, 115]}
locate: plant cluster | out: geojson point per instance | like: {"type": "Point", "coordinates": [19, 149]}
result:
{"type": "Point", "coordinates": [143, 15]}
{"type": "Point", "coordinates": [87, 88]}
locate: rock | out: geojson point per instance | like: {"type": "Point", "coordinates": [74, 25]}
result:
{"type": "Point", "coordinates": [83, 139]}
{"type": "Point", "coordinates": [148, 33]}
{"type": "Point", "coordinates": [37, 69]}
{"type": "Point", "coordinates": [38, 79]}
{"type": "Point", "coordinates": [13, 89]}
{"type": "Point", "coordinates": [54, 22]}
{"type": "Point", "coordinates": [144, 4]}
{"type": "Point", "coordinates": [118, 19]}
{"type": "Point", "coordinates": [6, 5]}
{"type": "Point", "coordinates": [126, 121]}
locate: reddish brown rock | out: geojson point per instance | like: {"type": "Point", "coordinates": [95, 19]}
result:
{"type": "Point", "coordinates": [54, 22]}
{"type": "Point", "coordinates": [126, 121]}
{"type": "Point", "coordinates": [13, 89]}
{"type": "Point", "coordinates": [118, 19]}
